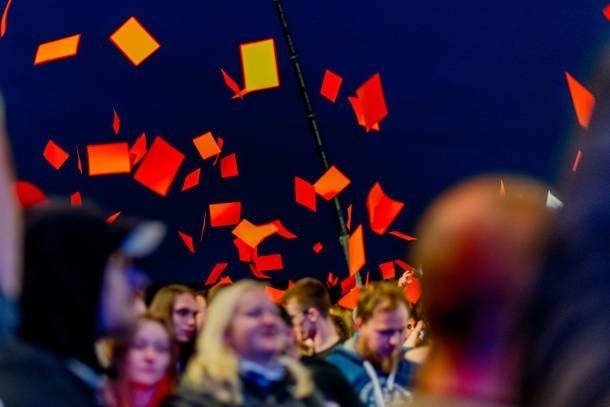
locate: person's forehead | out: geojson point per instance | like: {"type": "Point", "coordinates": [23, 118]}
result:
{"type": "Point", "coordinates": [151, 329]}
{"type": "Point", "coordinates": [389, 316]}
{"type": "Point", "coordinates": [253, 299]}
{"type": "Point", "coordinates": [185, 300]}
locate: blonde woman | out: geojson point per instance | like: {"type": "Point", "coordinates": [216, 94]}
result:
{"type": "Point", "coordinates": [238, 361]}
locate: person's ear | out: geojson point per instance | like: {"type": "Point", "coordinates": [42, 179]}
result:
{"type": "Point", "coordinates": [313, 314]}
{"type": "Point", "coordinates": [358, 323]}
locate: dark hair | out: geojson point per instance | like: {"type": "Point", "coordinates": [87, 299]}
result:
{"type": "Point", "coordinates": [309, 293]}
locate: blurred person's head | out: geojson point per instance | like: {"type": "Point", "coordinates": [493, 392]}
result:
{"type": "Point", "coordinates": [343, 322]}
{"type": "Point", "coordinates": [382, 314]}
{"type": "Point", "coordinates": [242, 325]}
{"type": "Point", "coordinates": [308, 303]}
{"type": "Point", "coordinates": [145, 363]}
{"type": "Point", "coordinates": [177, 305]}
{"type": "Point", "coordinates": [480, 250]}
{"type": "Point", "coordinates": [202, 307]}
{"type": "Point", "coordinates": [81, 277]}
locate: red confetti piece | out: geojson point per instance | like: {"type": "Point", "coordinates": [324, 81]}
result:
{"type": "Point", "coordinates": [258, 274]}
{"type": "Point", "coordinates": [116, 122]}
{"type": "Point", "coordinates": [331, 85]}
{"type": "Point", "coordinates": [372, 101]}
{"type": "Point", "coordinates": [228, 166]}
{"type": "Point", "coordinates": [402, 236]}
{"type": "Point", "coordinates": [274, 294]}
{"type": "Point", "coordinates": [205, 216]}
{"type": "Point", "coordinates": [582, 99]}
{"type": "Point", "coordinates": [29, 194]}
{"type": "Point", "coordinates": [231, 84]}
{"type": "Point", "coordinates": [225, 214]}
{"type": "Point", "coordinates": [191, 180]}
{"type": "Point", "coordinates": [55, 155]}
{"type": "Point", "coordinates": [317, 248]}
{"type": "Point", "coordinates": [226, 280]}
{"type": "Point", "coordinates": [246, 253]}
{"type": "Point", "coordinates": [109, 158]}
{"type": "Point", "coordinates": [305, 194]}
{"type": "Point", "coordinates": [160, 166]}
{"type": "Point", "coordinates": [413, 290]}
{"type": "Point", "coordinates": [79, 163]}
{"type": "Point", "coordinates": [138, 150]}
{"type": "Point", "coordinates": [76, 199]}
{"type": "Point", "coordinates": [606, 12]}
{"type": "Point", "coordinates": [348, 284]}
{"type": "Point", "coordinates": [269, 262]}
{"type": "Point", "coordinates": [4, 20]}
{"type": "Point", "coordinates": [577, 161]}
{"type": "Point", "coordinates": [188, 241]}
{"type": "Point", "coordinates": [253, 235]}
{"type": "Point", "coordinates": [350, 300]}
{"type": "Point", "coordinates": [348, 225]}
{"type": "Point", "coordinates": [282, 231]}
{"type": "Point", "coordinates": [134, 41]}
{"type": "Point", "coordinates": [113, 217]}
{"type": "Point", "coordinates": [216, 272]}
{"type": "Point", "coordinates": [331, 183]}
{"type": "Point", "coordinates": [388, 271]}
{"type": "Point", "coordinates": [331, 280]}
{"type": "Point", "coordinates": [357, 257]}
{"type": "Point", "coordinates": [404, 265]}
{"type": "Point", "coordinates": [382, 209]}
{"type": "Point", "coordinates": [206, 145]}
{"type": "Point", "coordinates": [58, 49]}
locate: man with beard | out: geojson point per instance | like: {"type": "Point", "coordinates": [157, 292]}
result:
{"type": "Point", "coordinates": [373, 362]}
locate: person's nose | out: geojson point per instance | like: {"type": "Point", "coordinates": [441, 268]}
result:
{"type": "Point", "coordinates": [149, 354]}
{"type": "Point", "coordinates": [192, 319]}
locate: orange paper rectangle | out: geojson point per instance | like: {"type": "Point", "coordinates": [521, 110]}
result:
{"type": "Point", "coordinates": [382, 209]}
{"type": "Point", "coordinates": [225, 214]}
{"type": "Point", "coordinates": [259, 65]}
{"type": "Point", "coordinates": [357, 257]}
{"type": "Point", "coordinates": [331, 183]}
{"type": "Point", "coordinates": [253, 235]}
{"type": "Point", "coordinates": [274, 294]}
{"type": "Point", "coordinates": [159, 167]}
{"type": "Point", "coordinates": [269, 262]}
{"type": "Point", "coordinates": [110, 158]}
{"type": "Point", "coordinates": [388, 271]}
{"type": "Point", "coordinates": [55, 155]}
{"type": "Point", "coordinates": [206, 145]}
{"type": "Point", "coordinates": [331, 85]}
{"type": "Point", "coordinates": [58, 49]}
{"type": "Point", "coordinates": [582, 99]}
{"type": "Point", "coordinates": [228, 166]}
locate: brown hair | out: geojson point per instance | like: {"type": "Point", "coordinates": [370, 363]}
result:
{"type": "Point", "coordinates": [379, 295]}
{"type": "Point", "coordinates": [162, 304]}
{"type": "Point", "coordinates": [342, 321]}
{"type": "Point", "coordinates": [309, 293]}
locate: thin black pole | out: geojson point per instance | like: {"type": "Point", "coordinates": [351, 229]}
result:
{"type": "Point", "coordinates": [313, 126]}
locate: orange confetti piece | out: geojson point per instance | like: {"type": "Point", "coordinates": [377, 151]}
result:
{"type": "Point", "coordinates": [225, 214]}
{"type": "Point", "coordinates": [502, 188]}
{"type": "Point", "coordinates": [317, 248]}
{"type": "Point", "coordinates": [282, 231]}
{"type": "Point", "coordinates": [116, 122]}
{"type": "Point", "coordinates": [577, 161]}
{"type": "Point", "coordinates": [206, 145]}
{"type": "Point", "coordinates": [79, 163]}
{"type": "Point", "coordinates": [246, 253]}
{"type": "Point", "coordinates": [305, 194]}
{"type": "Point", "coordinates": [191, 180]}
{"type": "Point", "coordinates": [109, 158]}
{"type": "Point", "coordinates": [331, 85]}
{"type": "Point", "coordinates": [216, 272]}
{"type": "Point", "coordinates": [357, 257]}
{"type": "Point", "coordinates": [188, 241]}
{"type": "Point", "coordinates": [382, 209]}
{"type": "Point", "coordinates": [348, 224]}
{"type": "Point", "coordinates": [350, 300]}
{"type": "Point", "coordinates": [134, 41]}
{"type": "Point", "coordinates": [76, 199]}
{"type": "Point", "coordinates": [228, 166]}
{"type": "Point", "coordinates": [231, 84]}
{"type": "Point", "coordinates": [388, 271]}
{"type": "Point", "coordinates": [413, 290]}
{"type": "Point", "coordinates": [402, 236]}
{"type": "Point", "coordinates": [55, 155]}
{"type": "Point", "coordinates": [331, 183]}
{"type": "Point", "coordinates": [357, 107]}
{"type": "Point", "coordinates": [57, 49]}
{"type": "Point", "coordinates": [28, 194]}
{"type": "Point", "coordinates": [113, 217]}
{"type": "Point", "coordinates": [372, 101]}
{"type": "Point", "coordinates": [4, 20]}
{"type": "Point", "coordinates": [582, 99]}
{"type": "Point", "coordinates": [259, 65]}
{"type": "Point", "coordinates": [159, 167]}
{"type": "Point", "coordinates": [253, 235]}
{"type": "Point", "coordinates": [138, 150]}
{"type": "Point", "coordinates": [269, 262]}
{"type": "Point", "coordinates": [274, 294]}
{"type": "Point", "coordinates": [226, 280]}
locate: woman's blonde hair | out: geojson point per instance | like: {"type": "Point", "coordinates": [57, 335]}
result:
{"type": "Point", "coordinates": [215, 366]}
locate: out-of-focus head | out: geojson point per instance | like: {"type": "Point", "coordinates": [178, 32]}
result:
{"type": "Point", "coordinates": [83, 272]}
{"type": "Point", "coordinates": [306, 302]}
{"type": "Point", "coordinates": [150, 355]}
{"type": "Point", "coordinates": [382, 314]}
{"type": "Point", "coordinates": [343, 322]}
{"type": "Point", "coordinates": [480, 249]}
{"type": "Point", "coordinates": [202, 308]}
{"type": "Point", "coordinates": [177, 305]}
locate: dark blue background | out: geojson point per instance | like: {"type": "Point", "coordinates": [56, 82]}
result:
{"type": "Point", "coordinates": [472, 86]}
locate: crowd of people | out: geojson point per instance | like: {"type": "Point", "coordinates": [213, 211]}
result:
{"type": "Point", "coordinates": [502, 320]}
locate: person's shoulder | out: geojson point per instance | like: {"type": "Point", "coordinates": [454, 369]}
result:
{"type": "Point", "coordinates": [187, 397]}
